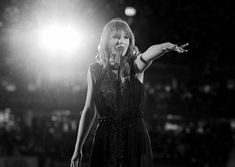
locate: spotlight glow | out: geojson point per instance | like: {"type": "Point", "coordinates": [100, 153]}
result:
{"type": "Point", "coordinates": [60, 39]}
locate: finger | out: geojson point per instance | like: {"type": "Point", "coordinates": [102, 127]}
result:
{"type": "Point", "coordinates": [78, 163]}
{"type": "Point", "coordinates": [180, 50]}
{"type": "Point", "coordinates": [184, 45]}
{"type": "Point", "coordinates": [177, 49]}
{"type": "Point", "coordinates": [71, 164]}
{"type": "Point", "coordinates": [74, 164]}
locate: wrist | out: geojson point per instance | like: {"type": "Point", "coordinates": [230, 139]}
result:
{"type": "Point", "coordinates": [143, 60]}
{"type": "Point", "coordinates": [165, 48]}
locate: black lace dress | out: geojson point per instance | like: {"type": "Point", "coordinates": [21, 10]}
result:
{"type": "Point", "coordinates": [121, 138]}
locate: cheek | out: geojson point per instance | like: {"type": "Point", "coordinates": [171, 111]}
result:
{"type": "Point", "coordinates": [111, 43]}
{"type": "Point", "coordinates": [127, 47]}
{"type": "Point", "coordinates": [127, 44]}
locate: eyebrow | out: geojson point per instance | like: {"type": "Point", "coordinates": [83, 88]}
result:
{"type": "Point", "coordinates": [118, 32]}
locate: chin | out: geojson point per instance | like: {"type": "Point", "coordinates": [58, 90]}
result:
{"type": "Point", "coordinates": [124, 53]}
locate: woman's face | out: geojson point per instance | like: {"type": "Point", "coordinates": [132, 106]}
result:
{"type": "Point", "coordinates": [118, 42]}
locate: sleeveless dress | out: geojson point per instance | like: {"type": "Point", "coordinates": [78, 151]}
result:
{"type": "Point", "coordinates": [121, 138]}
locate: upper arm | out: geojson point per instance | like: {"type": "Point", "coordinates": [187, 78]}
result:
{"type": "Point", "coordinates": [90, 100]}
{"type": "Point", "coordinates": [140, 67]}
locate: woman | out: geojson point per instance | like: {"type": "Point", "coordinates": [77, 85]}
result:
{"type": "Point", "coordinates": [115, 94]}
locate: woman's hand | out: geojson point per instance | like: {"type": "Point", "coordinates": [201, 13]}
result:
{"type": "Point", "coordinates": [154, 52]}
{"type": "Point", "coordinates": [173, 47]}
{"type": "Point", "coordinates": [76, 159]}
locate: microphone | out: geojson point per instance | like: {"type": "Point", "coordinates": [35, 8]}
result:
{"type": "Point", "coordinates": [118, 55]}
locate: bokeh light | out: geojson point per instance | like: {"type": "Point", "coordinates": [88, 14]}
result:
{"type": "Point", "coordinates": [130, 11]}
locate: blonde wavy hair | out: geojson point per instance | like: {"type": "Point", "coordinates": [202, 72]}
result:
{"type": "Point", "coordinates": [117, 24]}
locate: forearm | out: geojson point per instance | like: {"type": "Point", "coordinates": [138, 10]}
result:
{"type": "Point", "coordinates": [154, 52]}
{"type": "Point", "coordinates": [85, 124]}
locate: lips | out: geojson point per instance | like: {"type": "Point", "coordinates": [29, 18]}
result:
{"type": "Point", "coordinates": [120, 46]}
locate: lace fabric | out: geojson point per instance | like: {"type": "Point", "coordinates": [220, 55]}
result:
{"type": "Point", "coordinates": [115, 94]}
{"type": "Point", "coordinates": [121, 138]}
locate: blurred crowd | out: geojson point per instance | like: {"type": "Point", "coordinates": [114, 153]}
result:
{"type": "Point", "coordinates": [176, 141]}
{"type": "Point", "coordinates": [211, 97]}
{"type": "Point", "coordinates": [200, 142]}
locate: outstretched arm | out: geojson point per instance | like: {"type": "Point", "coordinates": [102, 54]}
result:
{"type": "Point", "coordinates": [144, 60]}
{"type": "Point", "coordinates": [86, 121]}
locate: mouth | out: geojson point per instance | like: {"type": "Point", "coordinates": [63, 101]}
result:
{"type": "Point", "coordinates": [120, 46]}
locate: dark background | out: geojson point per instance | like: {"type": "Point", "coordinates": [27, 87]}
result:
{"type": "Point", "coordinates": [191, 94]}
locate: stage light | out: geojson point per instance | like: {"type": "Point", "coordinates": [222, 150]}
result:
{"type": "Point", "coordinates": [130, 11]}
{"type": "Point", "coordinates": [60, 39]}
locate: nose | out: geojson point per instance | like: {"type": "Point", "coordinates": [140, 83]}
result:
{"type": "Point", "coordinates": [120, 40]}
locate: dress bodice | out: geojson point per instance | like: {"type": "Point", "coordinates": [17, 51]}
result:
{"type": "Point", "coordinates": [117, 97]}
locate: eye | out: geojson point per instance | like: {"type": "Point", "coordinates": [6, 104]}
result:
{"type": "Point", "coordinates": [116, 36]}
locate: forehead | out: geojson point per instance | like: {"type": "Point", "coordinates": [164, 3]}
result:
{"type": "Point", "coordinates": [118, 32]}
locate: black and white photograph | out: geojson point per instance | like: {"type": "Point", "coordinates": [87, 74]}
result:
{"type": "Point", "coordinates": [117, 83]}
